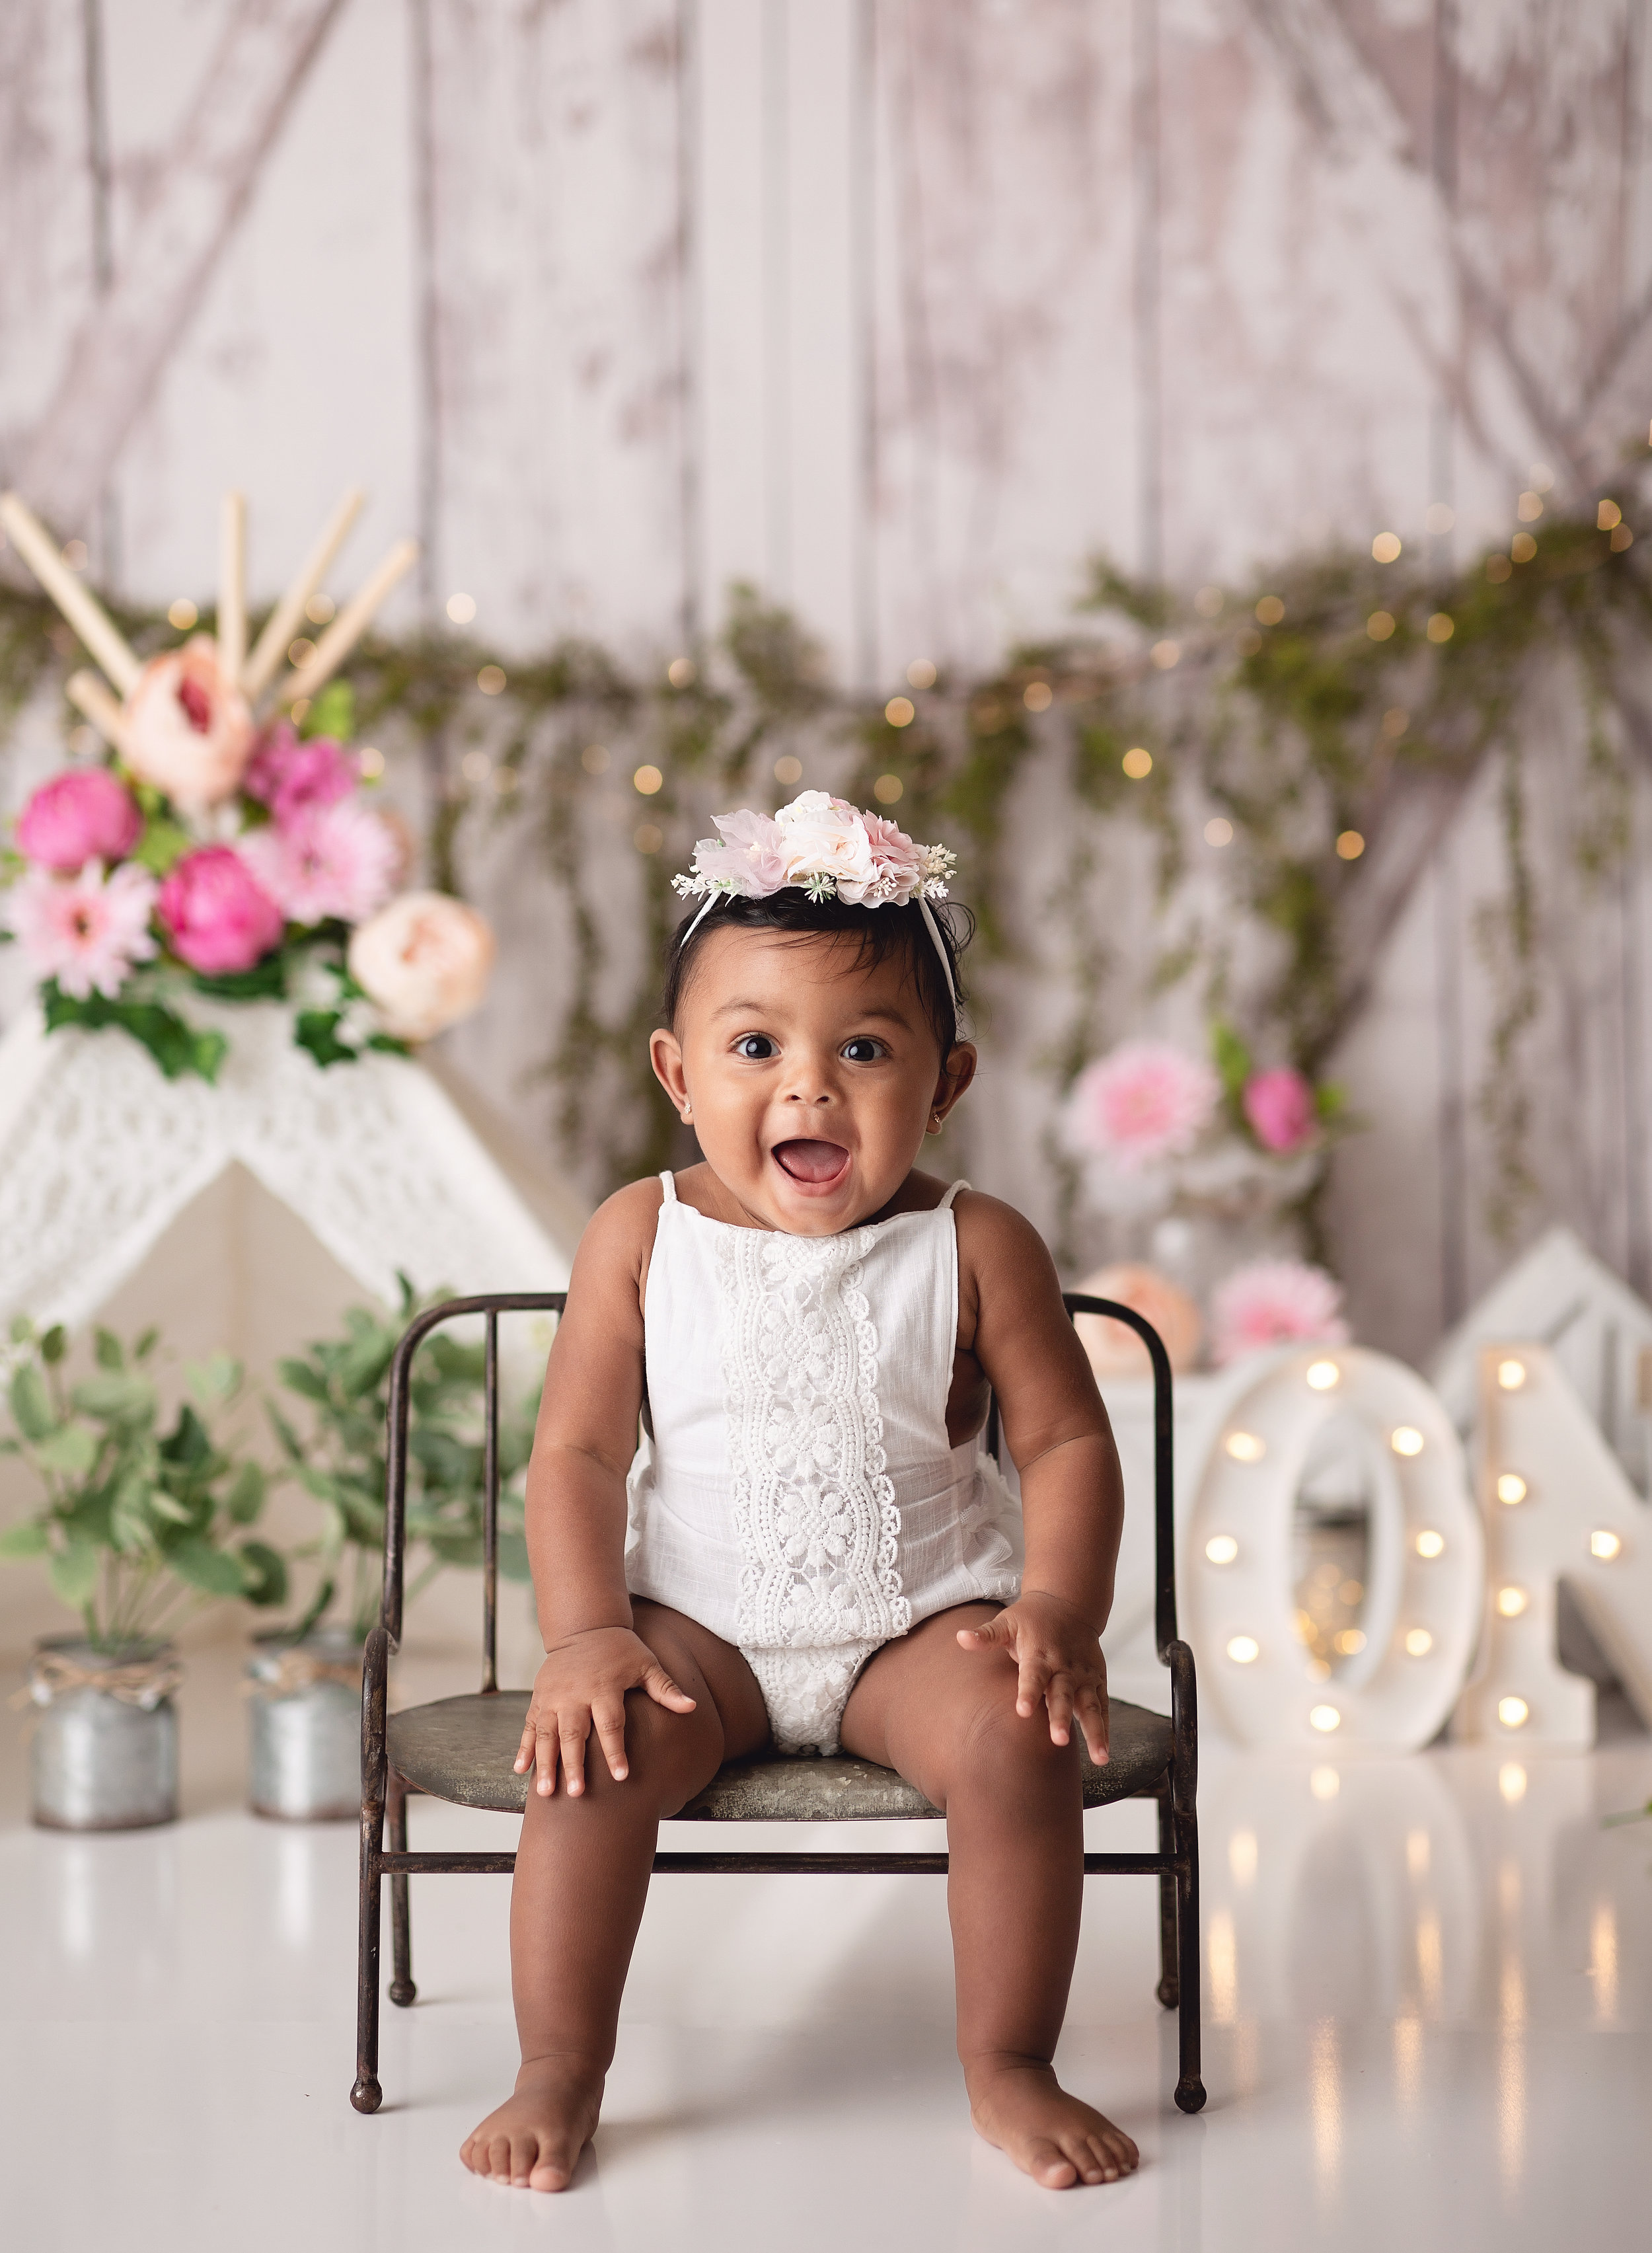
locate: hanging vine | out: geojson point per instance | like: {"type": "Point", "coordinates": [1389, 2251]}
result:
{"type": "Point", "coordinates": [1301, 712]}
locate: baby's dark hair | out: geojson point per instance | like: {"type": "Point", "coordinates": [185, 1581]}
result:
{"type": "Point", "coordinates": [881, 932]}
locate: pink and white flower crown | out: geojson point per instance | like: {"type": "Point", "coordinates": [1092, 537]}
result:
{"type": "Point", "coordinates": [826, 847]}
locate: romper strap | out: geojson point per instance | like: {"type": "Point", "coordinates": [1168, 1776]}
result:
{"type": "Point", "coordinates": [668, 1182]}
{"type": "Point", "coordinates": [945, 1204]}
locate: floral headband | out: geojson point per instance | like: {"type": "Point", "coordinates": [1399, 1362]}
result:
{"type": "Point", "coordinates": [827, 849]}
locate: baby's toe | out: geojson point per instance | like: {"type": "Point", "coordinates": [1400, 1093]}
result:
{"type": "Point", "coordinates": [549, 2174]}
{"type": "Point", "coordinates": [1049, 2164]}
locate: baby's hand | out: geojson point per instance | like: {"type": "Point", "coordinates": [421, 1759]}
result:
{"type": "Point", "coordinates": [582, 1684]}
{"type": "Point", "coordinates": [1059, 1660]}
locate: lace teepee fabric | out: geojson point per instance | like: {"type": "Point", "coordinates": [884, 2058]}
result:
{"type": "Point", "coordinates": [99, 1154]}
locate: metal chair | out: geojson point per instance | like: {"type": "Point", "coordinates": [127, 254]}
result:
{"type": "Point", "coordinates": [461, 1749]}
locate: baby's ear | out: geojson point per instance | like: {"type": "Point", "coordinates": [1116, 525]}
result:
{"type": "Point", "coordinates": [665, 1054]}
{"type": "Point", "coordinates": [957, 1073]}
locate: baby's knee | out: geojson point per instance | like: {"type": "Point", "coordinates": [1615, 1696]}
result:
{"type": "Point", "coordinates": [672, 1755]}
{"type": "Point", "coordinates": [1005, 1755]}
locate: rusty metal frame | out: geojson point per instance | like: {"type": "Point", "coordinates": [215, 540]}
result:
{"type": "Point", "coordinates": [384, 1794]}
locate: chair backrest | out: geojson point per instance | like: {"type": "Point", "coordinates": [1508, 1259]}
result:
{"type": "Point", "coordinates": [493, 1305]}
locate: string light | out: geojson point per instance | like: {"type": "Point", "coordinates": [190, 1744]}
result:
{"type": "Point", "coordinates": [1385, 547]}
{"type": "Point", "coordinates": [647, 838]}
{"type": "Point", "coordinates": [647, 780]}
{"type": "Point", "coordinates": [1523, 548]}
{"type": "Point", "coordinates": [370, 762]}
{"type": "Point", "coordinates": [182, 614]}
{"type": "Point", "coordinates": [1498, 568]}
{"type": "Point", "coordinates": [461, 609]}
{"type": "Point", "coordinates": [490, 681]}
{"type": "Point", "coordinates": [1038, 696]}
{"type": "Point", "coordinates": [594, 759]}
{"type": "Point", "coordinates": [1607, 516]}
{"type": "Point", "coordinates": [1208, 601]}
{"type": "Point", "coordinates": [1219, 831]}
{"type": "Point", "coordinates": [1269, 611]}
{"type": "Point", "coordinates": [1380, 625]}
{"type": "Point", "coordinates": [476, 766]}
{"type": "Point", "coordinates": [1395, 720]}
{"type": "Point", "coordinates": [920, 673]}
{"type": "Point", "coordinates": [1621, 537]}
{"type": "Point", "coordinates": [1511, 1488]}
{"type": "Point", "coordinates": [1349, 845]}
{"type": "Point", "coordinates": [887, 789]}
{"type": "Point", "coordinates": [900, 711]}
{"type": "Point", "coordinates": [74, 554]}
{"type": "Point", "coordinates": [1441, 626]}
{"type": "Point", "coordinates": [1529, 507]}
{"type": "Point", "coordinates": [1440, 517]}
{"type": "Point", "coordinates": [321, 610]}
{"type": "Point", "coordinates": [299, 652]}
{"type": "Point", "coordinates": [1138, 763]}
{"type": "Point", "coordinates": [681, 671]}
{"type": "Point", "coordinates": [788, 768]}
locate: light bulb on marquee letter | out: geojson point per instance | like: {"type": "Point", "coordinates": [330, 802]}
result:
{"type": "Point", "coordinates": [1423, 1579]}
{"type": "Point", "coordinates": [1567, 1513]}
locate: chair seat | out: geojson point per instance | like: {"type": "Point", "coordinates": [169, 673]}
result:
{"type": "Point", "coordinates": [461, 1749]}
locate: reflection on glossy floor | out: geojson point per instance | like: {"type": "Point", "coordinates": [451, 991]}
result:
{"type": "Point", "coordinates": [1426, 2003]}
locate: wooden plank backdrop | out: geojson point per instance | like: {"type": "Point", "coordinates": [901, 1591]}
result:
{"type": "Point", "coordinates": [899, 310]}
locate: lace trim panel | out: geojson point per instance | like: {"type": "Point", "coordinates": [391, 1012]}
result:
{"type": "Point", "coordinates": [814, 1508]}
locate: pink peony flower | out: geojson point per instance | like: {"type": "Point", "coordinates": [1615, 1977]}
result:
{"type": "Point", "coordinates": [336, 860]}
{"type": "Point", "coordinates": [1272, 1302]}
{"type": "Point", "coordinates": [901, 864]}
{"type": "Point", "coordinates": [1279, 1105]}
{"type": "Point", "coordinates": [218, 917]}
{"type": "Point", "coordinates": [188, 728]}
{"type": "Point", "coordinates": [292, 779]}
{"type": "Point", "coordinates": [84, 814]}
{"type": "Point", "coordinates": [87, 930]}
{"type": "Point", "coordinates": [425, 960]}
{"type": "Point", "coordinates": [1145, 1102]}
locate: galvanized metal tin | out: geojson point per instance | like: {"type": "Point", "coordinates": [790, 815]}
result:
{"type": "Point", "coordinates": [99, 1762]}
{"type": "Point", "coordinates": [305, 1705]}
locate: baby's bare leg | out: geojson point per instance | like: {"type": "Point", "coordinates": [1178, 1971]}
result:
{"type": "Point", "coordinates": [581, 1878]}
{"type": "Point", "coordinates": [946, 1718]}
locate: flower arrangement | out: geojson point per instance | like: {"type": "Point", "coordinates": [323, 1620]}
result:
{"type": "Point", "coordinates": [1155, 1128]}
{"type": "Point", "coordinates": [227, 854]}
{"type": "Point", "coordinates": [136, 1521]}
{"type": "Point", "coordinates": [822, 844]}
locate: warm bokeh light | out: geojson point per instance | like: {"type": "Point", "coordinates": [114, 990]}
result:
{"type": "Point", "coordinates": [1245, 1447]}
{"type": "Point", "coordinates": [1138, 763]}
{"type": "Point", "coordinates": [1511, 1487]}
{"type": "Point", "coordinates": [1222, 1549]}
{"type": "Point", "coordinates": [1430, 1543]}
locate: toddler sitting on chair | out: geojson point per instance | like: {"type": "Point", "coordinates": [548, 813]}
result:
{"type": "Point", "coordinates": [810, 1551]}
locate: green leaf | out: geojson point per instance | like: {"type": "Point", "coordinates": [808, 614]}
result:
{"type": "Point", "coordinates": [146, 1344]}
{"type": "Point", "coordinates": [168, 1507]}
{"type": "Point", "coordinates": [215, 1572]}
{"type": "Point", "coordinates": [29, 1539]}
{"type": "Point", "coordinates": [217, 1377]}
{"type": "Point", "coordinates": [74, 1575]}
{"type": "Point", "coordinates": [112, 1399]}
{"type": "Point", "coordinates": [331, 713]}
{"type": "Point", "coordinates": [71, 1450]}
{"type": "Point", "coordinates": [108, 1350]}
{"type": "Point", "coordinates": [265, 981]}
{"type": "Point", "coordinates": [31, 1404]}
{"type": "Point", "coordinates": [55, 1345]}
{"type": "Point", "coordinates": [292, 1447]}
{"type": "Point", "coordinates": [299, 1376]}
{"type": "Point", "coordinates": [1330, 1099]}
{"type": "Point", "coordinates": [364, 1366]}
{"type": "Point", "coordinates": [176, 1047]}
{"type": "Point", "coordinates": [162, 843]}
{"type": "Point", "coordinates": [246, 1498]}
{"type": "Point", "coordinates": [1233, 1059]}
{"type": "Point", "coordinates": [188, 1443]}
{"type": "Point", "coordinates": [318, 1031]}
{"type": "Point", "coordinates": [266, 1573]}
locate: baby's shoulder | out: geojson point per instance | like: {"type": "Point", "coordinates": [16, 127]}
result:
{"type": "Point", "coordinates": [619, 1235]}
{"type": "Point", "coordinates": [990, 1229]}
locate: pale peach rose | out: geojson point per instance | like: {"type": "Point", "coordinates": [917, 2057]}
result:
{"type": "Point", "coordinates": [424, 960]}
{"type": "Point", "coordinates": [824, 836]}
{"type": "Point", "coordinates": [1114, 1348]}
{"type": "Point", "coordinates": [188, 728]}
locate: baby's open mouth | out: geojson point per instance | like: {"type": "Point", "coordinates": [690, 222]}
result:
{"type": "Point", "coordinates": [815, 1164]}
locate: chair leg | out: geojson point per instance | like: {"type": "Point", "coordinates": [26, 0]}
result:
{"type": "Point", "coordinates": [366, 2095]}
{"type": "Point", "coordinates": [1184, 1786]}
{"type": "Point", "coordinates": [403, 1990]}
{"type": "Point", "coordinates": [1170, 1987]}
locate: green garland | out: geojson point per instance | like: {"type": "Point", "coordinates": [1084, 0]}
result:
{"type": "Point", "coordinates": [1292, 709]}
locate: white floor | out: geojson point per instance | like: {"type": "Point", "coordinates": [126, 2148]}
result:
{"type": "Point", "coordinates": [1426, 2005]}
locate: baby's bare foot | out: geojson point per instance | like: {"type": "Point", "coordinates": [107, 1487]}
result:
{"type": "Point", "coordinates": [535, 2139]}
{"type": "Point", "coordinates": [1020, 2105]}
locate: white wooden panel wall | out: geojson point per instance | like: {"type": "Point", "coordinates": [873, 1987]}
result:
{"type": "Point", "coordinates": [900, 308]}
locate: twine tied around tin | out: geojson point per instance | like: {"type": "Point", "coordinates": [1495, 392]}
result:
{"type": "Point", "coordinates": [139, 1682]}
{"type": "Point", "coordinates": [297, 1670]}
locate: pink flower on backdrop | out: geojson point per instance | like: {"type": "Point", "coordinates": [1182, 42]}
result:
{"type": "Point", "coordinates": [293, 779]}
{"type": "Point", "coordinates": [87, 930]}
{"type": "Point", "coordinates": [84, 814]}
{"type": "Point", "coordinates": [1279, 1105]}
{"type": "Point", "coordinates": [425, 962]}
{"type": "Point", "coordinates": [188, 728]}
{"type": "Point", "coordinates": [336, 860]}
{"type": "Point", "coordinates": [1274, 1302]}
{"type": "Point", "coordinates": [217, 914]}
{"type": "Point", "coordinates": [1145, 1102]}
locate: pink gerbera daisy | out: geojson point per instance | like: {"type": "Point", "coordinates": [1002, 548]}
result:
{"type": "Point", "coordinates": [1275, 1302]}
{"type": "Point", "coordinates": [337, 860]}
{"type": "Point", "coordinates": [87, 930]}
{"type": "Point", "coordinates": [1145, 1102]}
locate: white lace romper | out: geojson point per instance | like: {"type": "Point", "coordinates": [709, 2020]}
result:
{"type": "Point", "coordinates": [795, 1491]}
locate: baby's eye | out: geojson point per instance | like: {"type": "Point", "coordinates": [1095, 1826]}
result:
{"type": "Point", "coordinates": [756, 1047]}
{"type": "Point", "coordinates": [863, 1050]}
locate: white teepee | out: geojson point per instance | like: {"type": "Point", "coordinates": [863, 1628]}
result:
{"type": "Point", "coordinates": [100, 1155]}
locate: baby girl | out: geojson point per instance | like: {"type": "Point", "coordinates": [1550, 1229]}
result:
{"type": "Point", "coordinates": [810, 1551]}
